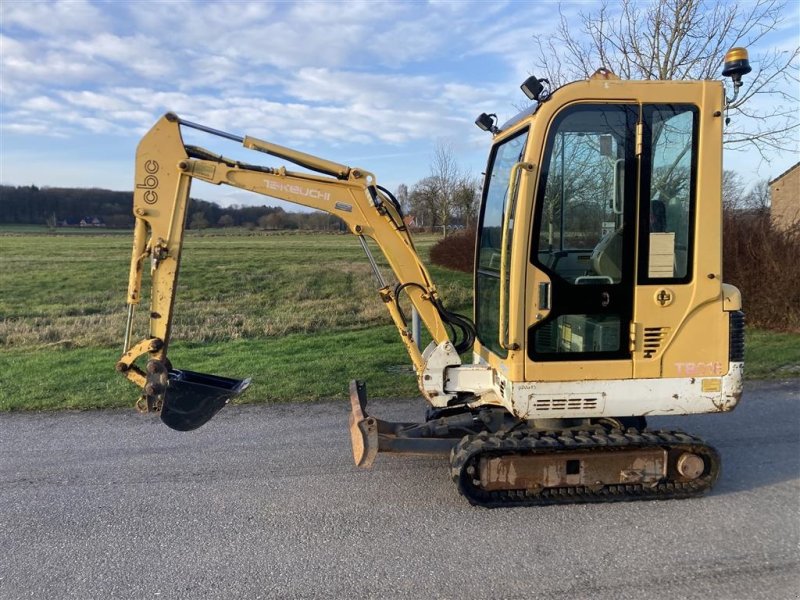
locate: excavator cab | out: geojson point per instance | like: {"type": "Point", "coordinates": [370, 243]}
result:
{"type": "Point", "coordinates": [599, 253]}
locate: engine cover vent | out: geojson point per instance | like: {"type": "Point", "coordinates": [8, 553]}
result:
{"type": "Point", "coordinates": [654, 338]}
{"type": "Point", "coordinates": [592, 404]}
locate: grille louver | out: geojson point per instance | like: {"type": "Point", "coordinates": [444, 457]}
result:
{"type": "Point", "coordinates": [736, 348]}
{"type": "Point", "coordinates": [654, 338]}
{"type": "Point", "coordinates": [564, 404]}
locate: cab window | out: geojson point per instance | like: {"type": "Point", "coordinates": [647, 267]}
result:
{"type": "Point", "coordinates": [487, 268]}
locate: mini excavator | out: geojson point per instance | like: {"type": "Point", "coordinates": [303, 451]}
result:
{"type": "Point", "coordinates": [598, 293]}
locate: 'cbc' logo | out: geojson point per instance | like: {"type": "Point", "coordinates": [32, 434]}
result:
{"type": "Point", "coordinates": [150, 183]}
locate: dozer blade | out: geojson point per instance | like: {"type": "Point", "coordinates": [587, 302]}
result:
{"type": "Point", "coordinates": [363, 429]}
{"type": "Point", "coordinates": [191, 399]}
{"type": "Point", "coordinates": [370, 435]}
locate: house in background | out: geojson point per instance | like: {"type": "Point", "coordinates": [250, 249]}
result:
{"type": "Point", "coordinates": [785, 195]}
{"type": "Point", "coordinates": [92, 222]}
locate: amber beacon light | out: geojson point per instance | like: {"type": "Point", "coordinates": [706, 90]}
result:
{"type": "Point", "coordinates": [736, 64]}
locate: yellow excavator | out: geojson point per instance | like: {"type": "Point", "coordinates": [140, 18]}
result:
{"type": "Point", "coordinates": [598, 292]}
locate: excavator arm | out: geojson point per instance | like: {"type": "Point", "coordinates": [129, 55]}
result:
{"type": "Point", "coordinates": [165, 168]}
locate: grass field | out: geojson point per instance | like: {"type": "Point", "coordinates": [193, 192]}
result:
{"type": "Point", "coordinates": [298, 312]}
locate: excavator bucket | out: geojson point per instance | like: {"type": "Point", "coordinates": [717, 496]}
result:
{"type": "Point", "coordinates": [191, 398]}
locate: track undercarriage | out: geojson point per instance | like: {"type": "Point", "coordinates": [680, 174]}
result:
{"type": "Point", "coordinates": [499, 461]}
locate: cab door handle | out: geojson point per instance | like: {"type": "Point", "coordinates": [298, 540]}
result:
{"type": "Point", "coordinates": [545, 297]}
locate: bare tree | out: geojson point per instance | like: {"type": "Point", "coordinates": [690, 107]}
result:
{"type": "Point", "coordinates": [422, 202]}
{"type": "Point", "coordinates": [685, 39]}
{"type": "Point", "coordinates": [198, 220]}
{"type": "Point", "coordinates": [758, 197]}
{"type": "Point", "coordinates": [226, 221]}
{"type": "Point", "coordinates": [732, 190]}
{"type": "Point", "coordinates": [737, 195]}
{"type": "Point", "coordinates": [445, 174]}
{"type": "Point", "coordinates": [447, 193]}
{"type": "Point", "coordinates": [466, 197]}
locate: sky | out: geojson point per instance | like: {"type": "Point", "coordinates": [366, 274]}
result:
{"type": "Point", "coordinates": [369, 84]}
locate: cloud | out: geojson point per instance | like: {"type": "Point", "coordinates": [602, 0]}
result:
{"type": "Point", "coordinates": [28, 67]}
{"type": "Point", "coordinates": [41, 104]}
{"type": "Point", "coordinates": [96, 101]}
{"type": "Point", "coordinates": [142, 55]}
{"type": "Point", "coordinates": [52, 18]}
{"type": "Point", "coordinates": [32, 127]}
{"type": "Point", "coordinates": [343, 76]}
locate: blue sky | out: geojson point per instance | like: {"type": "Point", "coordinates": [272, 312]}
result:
{"type": "Point", "coordinates": [369, 84]}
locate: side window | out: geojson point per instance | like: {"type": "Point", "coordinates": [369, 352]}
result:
{"type": "Point", "coordinates": [487, 275]}
{"type": "Point", "coordinates": [582, 214]}
{"type": "Point", "coordinates": [668, 191]}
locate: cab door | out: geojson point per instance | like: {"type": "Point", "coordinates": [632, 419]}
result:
{"type": "Point", "coordinates": [583, 246]}
{"type": "Point", "coordinates": [681, 327]}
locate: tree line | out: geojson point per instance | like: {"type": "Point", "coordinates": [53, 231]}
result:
{"type": "Point", "coordinates": [448, 198]}
{"type": "Point", "coordinates": [59, 207]}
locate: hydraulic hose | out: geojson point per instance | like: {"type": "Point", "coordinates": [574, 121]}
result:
{"type": "Point", "coordinates": [462, 329]}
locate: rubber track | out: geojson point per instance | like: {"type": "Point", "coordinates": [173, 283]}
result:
{"type": "Point", "coordinates": [469, 450]}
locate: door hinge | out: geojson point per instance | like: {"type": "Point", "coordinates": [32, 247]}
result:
{"type": "Point", "coordinates": [639, 137]}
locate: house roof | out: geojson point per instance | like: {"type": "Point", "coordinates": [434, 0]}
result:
{"type": "Point", "coordinates": [786, 172]}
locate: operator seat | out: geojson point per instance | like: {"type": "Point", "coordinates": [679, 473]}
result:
{"type": "Point", "coordinates": [606, 257]}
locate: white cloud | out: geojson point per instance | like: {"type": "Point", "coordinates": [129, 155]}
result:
{"type": "Point", "coordinates": [95, 101]}
{"type": "Point", "coordinates": [52, 18]}
{"type": "Point", "coordinates": [143, 55]}
{"type": "Point", "coordinates": [33, 128]}
{"type": "Point", "coordinates": [321, 85]}
{"type": "Point", "coordinates": [27, 67]}
{"type": "Point", "coordinates": [41, 104]}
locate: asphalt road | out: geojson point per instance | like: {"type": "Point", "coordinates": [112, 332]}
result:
{"type": "Point", "coordinates": [263, 502]}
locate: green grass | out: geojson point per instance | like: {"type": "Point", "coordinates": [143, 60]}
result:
{"type": "Point", "coordinates": [70, 291]}
{"type": "Point", "coordinates": [292, 367]}
{"type": "Point", "coordinates": [6, 229]}
{"type": "Point", "coordinates": [299, 313]}
{"type": "Point", "coordinates": [771, 355]}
